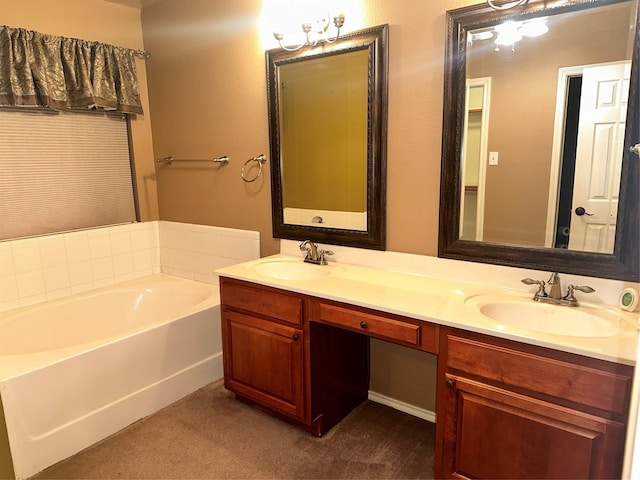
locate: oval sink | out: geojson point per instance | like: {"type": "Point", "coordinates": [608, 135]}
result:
{"type": "Point", "coordinates": [522, 314]}
{"type": "Point", "coordinates": [291, 270]}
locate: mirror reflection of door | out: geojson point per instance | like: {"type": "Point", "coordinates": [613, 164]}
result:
{"type": "Point", "coordinates": [591, 113]}
{"type": "Point", "coordinates": [522, 190]}
{"type": "Point", "coordinates": [474, 161]}
{"type": "Point", "coordinates": [603, 111]}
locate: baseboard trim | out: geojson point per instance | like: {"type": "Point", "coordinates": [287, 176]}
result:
{"type": "Point", "coordinates": [402, 406]}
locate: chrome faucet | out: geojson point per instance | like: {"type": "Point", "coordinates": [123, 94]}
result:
{"type": "Point", "coordinates": [555, 292]}
{"type": "Point", "coordinates": [556, 287]}
{"type": "Point", "coordinates": [314, 254]}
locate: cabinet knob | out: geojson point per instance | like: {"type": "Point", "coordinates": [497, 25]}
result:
{"type": "Point", "coordinates": [449, 383]}
{"type": "Point", "coordinates": [363, 324]}
{"type": "Point", "coordinates": [295, 337]}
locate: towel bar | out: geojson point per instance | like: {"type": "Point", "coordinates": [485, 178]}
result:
{"type": "Point", "coordinates": [169, 160]}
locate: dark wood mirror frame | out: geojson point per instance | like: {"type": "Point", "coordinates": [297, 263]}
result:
{"type": "Point", "coordinates": [375, 40]}
{"type": "Point", "coordinates": [624, 263]}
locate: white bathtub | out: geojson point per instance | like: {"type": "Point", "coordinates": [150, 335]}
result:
{"type": "Point", "coordinates": [77, 369]}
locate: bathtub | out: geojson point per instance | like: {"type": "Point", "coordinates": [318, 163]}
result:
{"type": "Point", "coordinates": [77, 369]}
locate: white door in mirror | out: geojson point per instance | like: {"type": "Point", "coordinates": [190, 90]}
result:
{"type": "Point", "coordinates": [603, 108]}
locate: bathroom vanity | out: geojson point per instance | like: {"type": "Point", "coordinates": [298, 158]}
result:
{"type": "Point", "coordinates": [506, 408]}
{"type": "Point", "coordinates": [509, 410]}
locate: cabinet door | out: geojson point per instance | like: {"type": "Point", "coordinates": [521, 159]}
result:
{"type": "Point", "coordinates": [494, 433]}
{"type": "Point", "coordinates": [263, 361]}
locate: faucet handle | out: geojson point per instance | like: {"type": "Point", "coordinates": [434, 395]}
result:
{"type": "Point", "coordinates": [571, 298]}
{"type": "Point", "coordinates": [584, 289]}
{"type": "Point", "coordinates": [321, 255]}
{"type": "Point", "coordinates": [541, 291]}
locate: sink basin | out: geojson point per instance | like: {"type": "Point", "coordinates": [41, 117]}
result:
{"type": "Point", "coordinates": [525, 314]}
{"type": "Point", "coordinates": [291, 270]}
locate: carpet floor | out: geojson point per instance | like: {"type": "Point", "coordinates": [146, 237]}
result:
{"type": "Point", "coordinates": [209, 434]}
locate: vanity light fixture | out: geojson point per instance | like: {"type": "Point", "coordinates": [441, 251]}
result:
{"type": "Point", "coordinates": [313, 37]}
{"type": "Point", "coordinates": [484, 35]}
{"type": "Point", "coordinates": [534, 27]}
{"type": "Point", "coordinates": [509, 33]}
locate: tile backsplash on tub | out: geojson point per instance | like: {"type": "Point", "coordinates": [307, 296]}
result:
{"type": "Point", "coordinates": [34, 270]}
{"type": "Point", "coordinates": [195, 251]}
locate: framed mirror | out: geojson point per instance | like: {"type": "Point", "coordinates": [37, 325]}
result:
{"type": "Point", "coordinates": [327, 131]}
{"type": "Point", "coordinates": [540, 120]}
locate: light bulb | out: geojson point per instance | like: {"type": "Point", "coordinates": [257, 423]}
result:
{"type": "Point", "coordinates": [534, 28]}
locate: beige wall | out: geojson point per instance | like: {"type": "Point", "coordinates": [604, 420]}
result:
{"type": "Point", "coordinates": [208, 90]}
{"type": "Point", "coordinates": [403, 374]}
{"type": "Point", "coordinates": [105, 22]}
{"type": "Point", "coordinates": [207, 86]}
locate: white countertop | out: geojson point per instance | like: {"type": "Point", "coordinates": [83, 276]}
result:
{"type": "Point", "coordinates": [441, 301]}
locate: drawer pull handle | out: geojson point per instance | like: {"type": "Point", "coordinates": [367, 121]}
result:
{"type": "Point", "coordinates": [449, 383]}
{"type": "Point", "coordinates": [363, 324]}
{"type": "Point", "coordinates": [295, 337]}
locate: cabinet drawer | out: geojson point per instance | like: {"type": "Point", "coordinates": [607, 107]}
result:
{"type": "Point", "coordinates": [376, 325]}
{"type": "Point", "coordinates": [270, 303]}
{"type": "Point", "coordinates": [604, 389]}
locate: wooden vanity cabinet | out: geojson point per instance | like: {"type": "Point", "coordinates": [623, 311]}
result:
{"type": "Point", "coordinates": [263, 337]}
{"type": "Point", "coordinates": [301, 358]}
{"type": "Point", "coordinates": [510, 410]}
{"type": "Point", "coordinates": [269, 361]}
{"type": "Point", "coordinates": [504, 409]}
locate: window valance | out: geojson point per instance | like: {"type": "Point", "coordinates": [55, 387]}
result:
{"type": "Point", "coordinates": [65, 73]}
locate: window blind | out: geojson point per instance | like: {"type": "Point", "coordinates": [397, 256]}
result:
{"type": "Point", "coordinates": [63, 171]}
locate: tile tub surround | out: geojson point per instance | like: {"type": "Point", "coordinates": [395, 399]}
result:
{"type": "Point", "coordinates": [195, 251]}
{"type": "Point", "coordinates": [34, 270]}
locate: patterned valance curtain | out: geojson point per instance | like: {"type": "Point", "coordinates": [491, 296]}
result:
{"type": "Point", "coordinates": [66, 73]}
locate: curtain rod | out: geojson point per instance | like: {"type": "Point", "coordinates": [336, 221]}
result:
{"type": "Point", "coordinates": [143, 54]}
